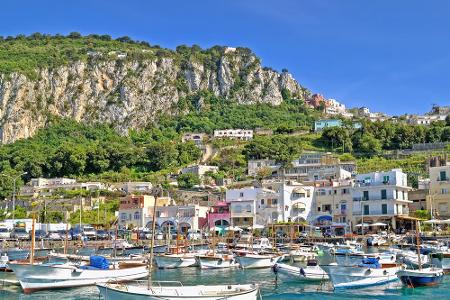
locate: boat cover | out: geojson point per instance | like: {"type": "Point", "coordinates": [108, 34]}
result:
{"type": "Point", "coordinates": [370, 262]}
{"type": "Point", "coordinates": [98, 262]}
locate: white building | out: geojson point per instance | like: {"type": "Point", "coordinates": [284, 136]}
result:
{"type": "Point", "coordinates": [200, 170]}
{"type": "Point", "coordinates": [381, 197]}
{"type": "Point", "coordinates": [133, 187]}
{"type": "Point", "coordinates": [253, 166]}
{"type": "Point", "coordinates": [46, 186]}
{"type": "Point", "coordinates": [238, 134]}
{"type": "Point", "coordinates": [184, 217]}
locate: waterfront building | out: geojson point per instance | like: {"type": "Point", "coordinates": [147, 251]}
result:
{"type": "Point", "coordinates": [135, 209]}
{"type": "Point", "coordinates": [333, 205]}
{"type": "Point", "coordinates": [219, 215]}
{"type": "Point", "coordinates": [179, 217]}
{"type": "Point", "coordinates": [438, 199]}
{"type": "Point", "coordinates": [381, 197]}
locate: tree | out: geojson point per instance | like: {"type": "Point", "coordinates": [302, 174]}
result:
{"type": "Point", "coordinates": [162, 155]}
{"type": "Point", "coordinates": [263, 172]}
{"type": "Point", "coordinates": [188, 180]}
{"type": "Point", "coordinates": [74, 35]}
{"type": "Point", "coordinates": [369, 145]}
{"type": "Point", "coordinates": [188, 152]}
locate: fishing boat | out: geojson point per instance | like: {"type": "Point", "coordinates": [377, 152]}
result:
{"type": "Point", "coordinates": [34, 277]}
{"type": "Point", "coordinates": [216, 261]}
{"type": "Point", "coordinates": [312, 271]}
{"type": "Point", "coordinates": [254, 261]}
{"type": "Point", "coordinates": [172, 261]}
{"type": "Point", "coordinates": [369, 273]}
{"type": "Point", "coordinates": [159, 292]}
{"type": "Point", "coordinates": [430, 276]}
{"type": "Point", "coordinates": [422, 277]}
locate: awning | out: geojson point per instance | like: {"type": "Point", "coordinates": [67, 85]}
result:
{"type": "Point", "coordinates": [256, 227]}
{"type": "Point", "coordinates": [434, 221]}
{"type": "Point", "coordinates": [378, 224]}
{"type": "Point", "coordinates": [324, 218]}
{"type": "Point", "coordinates": [361, 225]}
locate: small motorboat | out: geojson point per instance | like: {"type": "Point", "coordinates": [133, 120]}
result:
{"type": "Point", "coordinates": [172, 261]}
{"type": "Point", "coordinates": [253, 261]}
{"type": "Point", "coordinates": [156, 291]}
{"type": "Point", "coordinates": [303, 254]}
{"type": "Point", "coordinates": [369, 273]}
{"type": "Point", "coordinates": [312, 271]}
{"type": "Point", "coordinates": [216, 261]}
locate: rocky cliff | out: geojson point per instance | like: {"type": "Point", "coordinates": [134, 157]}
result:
{"type": "Point", "coordinates": [130, 91]}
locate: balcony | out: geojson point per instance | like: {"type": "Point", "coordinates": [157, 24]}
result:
{"type": "Point", "coordinates": [443, 180]}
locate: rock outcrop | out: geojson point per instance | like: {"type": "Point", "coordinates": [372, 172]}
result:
{"type": "Point", "coordinates": [130, 92]}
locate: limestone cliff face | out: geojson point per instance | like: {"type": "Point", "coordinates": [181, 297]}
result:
{"type": "Point", "coordinates": [130, 93]}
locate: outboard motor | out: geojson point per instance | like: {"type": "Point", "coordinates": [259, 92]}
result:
{"type": "Point", "coordinates": [275, 268]}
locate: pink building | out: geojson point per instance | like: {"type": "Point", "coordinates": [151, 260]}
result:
{"type": "Point", "coordinates": [219, 215]}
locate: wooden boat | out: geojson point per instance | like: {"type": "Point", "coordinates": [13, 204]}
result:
{"type": "Point", "coordinates": [158, 292]}
{"type": "Point", "coordinates": [216, 261]}
{"type": "Point", "coordinates": [253, 261]}
{"type": "Point", "coordinates": [172, 261]}
{"type": "Point", "coordinates": [422, 277]}
{"type": "Point", "coordinates": [34, 277]}
{"type": "Point", "coordinates": [368, 273]}
{"type": "Point", "coordinates": [312, 271]}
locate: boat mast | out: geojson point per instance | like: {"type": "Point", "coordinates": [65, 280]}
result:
{"type": "Point", "coordinates": [32, 241]}
{"type": "Point", "coordinates": [156, 191]}
{"type": "Point", "coordinates": [418, 244]}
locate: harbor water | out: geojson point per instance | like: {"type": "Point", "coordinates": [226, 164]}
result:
{"type": "Point", "coordinates": [270, 288]}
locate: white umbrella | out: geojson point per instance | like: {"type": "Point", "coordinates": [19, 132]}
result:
{"type": "Point", "coordinates": [378, 224]}
{"type": "Point", "coordinates": [216, 228]}
{"type": "Point", "coordinates": [361, 225]}
{"type": "Point", "coordinates": [256, 227]}
{"type": "Point", "coordinates": [434, 221]}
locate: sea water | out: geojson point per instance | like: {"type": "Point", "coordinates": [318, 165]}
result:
{"type": "Point", "coordinates": [270, 288]}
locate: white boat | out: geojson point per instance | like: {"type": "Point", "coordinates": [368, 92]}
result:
{"type": "Point", "coordinates": [312, 271]}
{"type": "Point", "coordinates": [257, 245]}
{"type": "Point", "coordinates": [303, 254]}
{"type": "Point", "coordinates": [158, 292]}
{"type": "Point", "coordinates": [40, 277]}
{"type": "Point", "coordinates": [346, 249]}
{"type": "Point", "coordinates": [216, 261]}
{"type": "Point", "coordinates": [375, 240]}
{"type": "Point", "coordinates": [422, 277]}
{"type": "Point", "coordinates": [172, 261]}
{"type": "Point", "coordinates": [253, 261]}
{"type": "Point", "coordinates": [355, 259]}
{"type": "Point", "coordinates": [363, 275]}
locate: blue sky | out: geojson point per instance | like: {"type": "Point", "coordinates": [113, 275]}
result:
{"type": "Point", "coordinates": [389, 55]}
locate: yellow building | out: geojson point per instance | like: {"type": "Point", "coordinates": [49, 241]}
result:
{"type": "Point", "coordinates": [438, 200]}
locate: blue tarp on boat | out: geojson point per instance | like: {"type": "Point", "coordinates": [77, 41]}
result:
{"type": "Point", "coordinates": [99, 262]}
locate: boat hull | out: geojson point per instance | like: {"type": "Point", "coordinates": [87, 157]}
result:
{"type": "Point", "coordinates": [357, 277]}
{"type": "Point", "coordinates": [303, 274]}
{"type": "Point", "coordinates": [256, 261]}
{"type": "Point", "coordinates": [175, 261]}
{"type": "Point", "coordinates": [115, 292]}
{"type": "Point", "coordinates": [212, 262]}
{"type": "Point", "coordinates": [416, 278]}
{"type": "Point", "coordinates": [40, 277]}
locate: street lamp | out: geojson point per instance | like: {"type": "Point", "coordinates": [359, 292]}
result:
{"type": "Point", "coordinates": [14, 178]}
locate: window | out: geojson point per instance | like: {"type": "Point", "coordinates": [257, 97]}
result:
{"type": "Point", "coordinates": [274, 201]}
{"type": "Point", "coordinates": [444, 191]}
{"type": "Point", "coordinates": [123, 216]}
{"type": "Point", "coordinates": [248, 208]}
{"type": "Point", "coordinates": [365, 195]}
{"type": "Point", "coordinates": [262, 201]}
{"type": "Point", "coordinates": [366, 209]}
{"type": "Point", "coordinates": [238, 209]}
{"type": "Point", "coordinates": [326, 207]}
{"type": "Point", "coordinates": [386, 179]}
{"type": "Point", "coordinates": [286, 208]}
{"type": "Point", "coordinates": [383, 194]}
{"type": "Point", "coordinates": [137, 215]}
{"type": "Point", "coordinates": [318, 208]}
{"type": "Point", "coordinates": [384, 209]}
{"type": "Point", "coordinates": [241, 194]}
{"type": "Point", "coordinates": [443, 176]}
